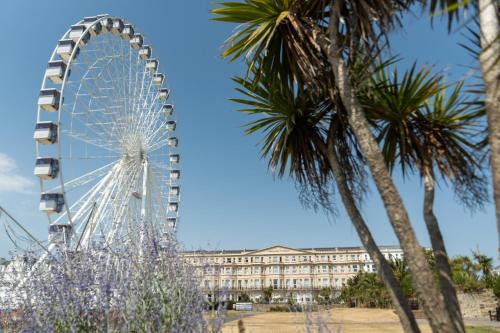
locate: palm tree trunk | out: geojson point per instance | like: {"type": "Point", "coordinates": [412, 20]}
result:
{"type": "Point", "coordinates": [490, 66]}
{"type": "Point", "coordinates": [384, 270]}
{"type": "Point", "coordinates": [442, 264]}
{"type": "Point", "coordinates": [427, 291]}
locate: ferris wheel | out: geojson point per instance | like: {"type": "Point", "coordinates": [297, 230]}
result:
{"type": "Point", "coordinates": [106, 152]}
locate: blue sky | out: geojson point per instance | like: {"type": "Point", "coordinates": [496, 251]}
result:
{"type": "Point", "coordinates": [230, 199]}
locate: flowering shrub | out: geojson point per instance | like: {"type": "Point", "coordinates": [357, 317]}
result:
{"type": "Point", "coordinates": [146, 289]}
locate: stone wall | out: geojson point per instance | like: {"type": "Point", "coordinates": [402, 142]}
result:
{"type": "Point", "coordinates": [477, 304]}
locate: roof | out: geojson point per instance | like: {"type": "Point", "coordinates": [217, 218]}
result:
{"type": "Point", "coordinates": [309, 250]}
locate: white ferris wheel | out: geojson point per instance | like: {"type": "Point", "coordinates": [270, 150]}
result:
{"type": "Point", "coordinates": [106, 152]}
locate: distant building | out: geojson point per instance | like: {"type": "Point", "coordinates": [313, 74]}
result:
{"type": "Point", "coordinates": [292, 273]}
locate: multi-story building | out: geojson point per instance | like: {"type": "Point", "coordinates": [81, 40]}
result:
{"type": "Point", "coordinates": [291, 273]}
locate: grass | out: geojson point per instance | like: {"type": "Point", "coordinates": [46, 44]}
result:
{"type": "Point", "coordinates": [476, 329]}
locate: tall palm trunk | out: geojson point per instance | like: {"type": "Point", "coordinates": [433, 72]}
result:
{"type": "Point", "coordinates": [490, 66]}
{"type": "Point", "coordinates": [427, 291]}
{"type": "Point", "coordinates": [383, 268]}
{"type": "Point", "coordinates": [440, 255]}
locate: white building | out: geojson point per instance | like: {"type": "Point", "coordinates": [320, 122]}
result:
{"type": "Point", "coordinates": [291, 273]}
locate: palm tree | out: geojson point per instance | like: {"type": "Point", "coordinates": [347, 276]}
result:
{"type": "Point", "coordinates": [402, 274]}
{"type": "Point", "coordinates": [484, 263]}
{"type": "Point", "coordinates": [421, 130]}
{"type": "Point", "coordinates": [488, 14]}
{"type": "Point", "coordinates": [313, 40]}
{"type": "Point", "coordinates": [303, 137]}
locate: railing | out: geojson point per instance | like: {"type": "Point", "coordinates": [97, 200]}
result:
{"type": "Point", "coordinates": [313, 288]}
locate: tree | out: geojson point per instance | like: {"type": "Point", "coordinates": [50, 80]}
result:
{"type": "Point", "coordinates": [311, 41]}
{"type": "Point", "coordinates": [403, 275]}
{"type": "Point", "coordinates": [465, 274]}
{"type": "Point", "coordinates": [420, 129]}
{"type": "Point", "coordinates": [302, 133]}
{"type": "Point", "coordinates": [244, 298]}
{"type": "Point", "coordinates": [364, 289]}
{"type": "Point", "coordinates": [484, 263]}
{"type": "Point", "coordinates": [267, 294]}
{"type": "Point", "coordinates": [325, 295]}
{"type": "Point", "coordinates": [488, 14]}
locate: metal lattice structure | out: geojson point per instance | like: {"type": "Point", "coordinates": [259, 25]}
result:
{"type": "Point", "coordinates": [106, 153]}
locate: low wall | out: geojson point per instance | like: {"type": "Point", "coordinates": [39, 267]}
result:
{"type": "Point", "coordinates": [476, 305]}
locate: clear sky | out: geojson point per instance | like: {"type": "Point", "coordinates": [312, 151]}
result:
{"type": "Point", "coordinates": [230, 200]}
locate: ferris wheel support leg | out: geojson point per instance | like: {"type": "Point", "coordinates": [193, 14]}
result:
{"type": "Point", "coordinates": [143, 236]}
{"type": "Point", "coordinates": [119, 218]}
{"type": "Point", "coordinates": [85, 238]}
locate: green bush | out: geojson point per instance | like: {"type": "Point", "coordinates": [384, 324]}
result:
{"type": "Point", "coordinates": [281, 308]}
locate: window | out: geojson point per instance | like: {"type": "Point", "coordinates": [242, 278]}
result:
{"type": "Point", "coordinates": [324, 268]}
{"type": "Point", "coordinates": [295, 283]}
{"type": "Point", "coordinates": [304, 258]}
{"type": "Point", "coordinates": [334, 257]}
{"type": "Point", "coordinates": [293, 259]}
{"type": "Point", "coordinates": [275, 259]}
{"type": "Point", "coordinates": [287, 259]}
{"type": "Point", "coordinates": [355, 268]}
{"type": "Point", "coordinates": [353, 256]}
{"type": "Point", "coordinates": [306, 283]}
{"type": "Point", "coordinates": [323, 258]}
{"type": "Point", "coordinates": [275, 269]}
{"type": "Point", "coordinates": [275, 283]}
{"type": "Point", "coordinates": [246, 259]}
{"type": "Point", "coordinates": [239, 259]}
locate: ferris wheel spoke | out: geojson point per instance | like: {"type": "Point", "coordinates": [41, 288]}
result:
{"type": "Point", "coordinates": [95, 121]}
{"type": "Point", "coordinates": [96, 142]}
{"type": "Point", "coordinates": [85, 200]}
{"type": "Point", "coordinates": [84, 179]}
{"type": "Point", "coordinates": [101, 201]}
{"type": "Point", "coordinates": [104, 82]}
{"type": "Point", "coordinates": [119, 222]}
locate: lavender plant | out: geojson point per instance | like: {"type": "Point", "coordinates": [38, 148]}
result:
{"type": "Point", "coordinates": [131, 289]}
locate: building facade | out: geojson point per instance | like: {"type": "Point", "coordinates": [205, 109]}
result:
{"type": "Point", "coordinates": [297, 274]}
